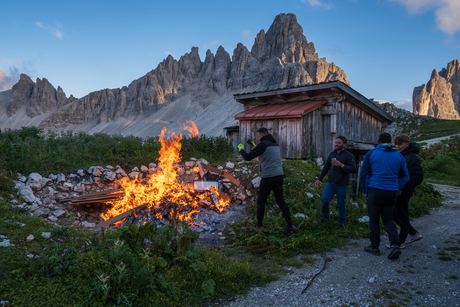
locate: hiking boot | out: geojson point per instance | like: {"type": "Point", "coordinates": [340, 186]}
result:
{"type": "Point", "coordinates": [289, 230]}
{"type": "Point", "coordinates": [412, 239]}
{"type": "Point", "coordinates": [394, 252]}
{"type": "Point", "coordinates": [402, 246]}
{"type": "Point", "coordinates": [323, 220]}
{"type": "Point", "coordinates": [373, 251]}
{"type": "Point", "coordinates": [341, 227]}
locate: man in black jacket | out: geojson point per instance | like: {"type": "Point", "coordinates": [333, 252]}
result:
{"type": "Point", "coordinates": [343, 163]}
{"type": "Point", "coordinates": [410, 152]}
{"type": "Point", "coordinates": [271, 171]}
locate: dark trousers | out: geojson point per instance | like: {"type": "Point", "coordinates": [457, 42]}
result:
{"type": "Point", "coordinates": [380, 203]}
{"type": "Point", "coordinates": [401, 215]}
{"type": "Point", "coordinates": [267, 185]}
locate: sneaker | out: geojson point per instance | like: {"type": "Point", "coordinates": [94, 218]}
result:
{"type": "Point", "coordinates": [289, 230]}
{"type": "Point", "coordinates": [323, 220]}
{"type": "Point", "coordinates": [340, 227]}
{"type": "Point", "coordinates": [402, 246]}
{"type": "Point", "coordinates": [258, 226]}
{"type": "Point", "coordinates": [412, 239]}
{"type": "Point", "coordinates": [394, 252]}
{"type": "Point", "coordinates": [373, 251]}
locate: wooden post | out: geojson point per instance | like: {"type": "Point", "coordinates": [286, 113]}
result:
{"type": "Point", "coordinates": [360, 163]}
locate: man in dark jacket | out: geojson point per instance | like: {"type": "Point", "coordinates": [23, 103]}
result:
{"type": "Point", "coordinates": [410, 151]}
{"type": "Point", "coordinates": [343, 163]}
{"type": "Point", "coordinates": [383, 174]}
{"type": "Point", "coordinates": [271, 171]}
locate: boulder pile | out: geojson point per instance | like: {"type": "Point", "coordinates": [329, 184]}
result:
{"type": "Point", "coordinates": [48, 197]}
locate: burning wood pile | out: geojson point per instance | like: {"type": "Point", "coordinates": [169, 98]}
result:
{"type": "Point", "coordinates": [192, 191]}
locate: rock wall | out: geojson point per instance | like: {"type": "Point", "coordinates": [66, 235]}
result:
{"type": "Point", "coordinates": [282, 57]}
{"type": "Point", "coordinates": [440, 97]}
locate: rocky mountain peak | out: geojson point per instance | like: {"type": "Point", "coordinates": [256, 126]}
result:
{"type": "Point", "coordinates": [284, 39]}
{"type": "Point", "coordinates": [440, 97]}
{"type": "Point", "coordinates": [280, 57]}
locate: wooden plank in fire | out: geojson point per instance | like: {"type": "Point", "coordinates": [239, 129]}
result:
{"type": "Point", "coordinates": [200, 168]}
{"type": "Point", "coordinates": [93, 195]}
{"type": "Point", "coordinates": [120, 216]}
{"type": "Point", "coordinates": [231, 178]}
{"type": "Point", "coordinates": [97, 200]}
{"type": "Point", "coordinates": [222, 173]}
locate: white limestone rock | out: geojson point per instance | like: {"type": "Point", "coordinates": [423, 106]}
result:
{"type": "Point", "coordinates": [26, 194]}
{"type": "Point", "coordinates": [35, 181]}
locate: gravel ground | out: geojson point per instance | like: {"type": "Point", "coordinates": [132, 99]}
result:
{"type": "Point", "coordinates": [355, 278]}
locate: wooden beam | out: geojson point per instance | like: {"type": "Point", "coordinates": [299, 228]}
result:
{"type": "Point", "coordinates": [329, 112]}
{"type": "Point", "coordinates": [231, 178]}
{"type": "Point", "coordinates": [222, 173]}
{"type": "Point", "coordinates": [120, 217]}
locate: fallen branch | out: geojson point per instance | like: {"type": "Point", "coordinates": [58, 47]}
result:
{"type": "Point", "coordinates": [311, 281]}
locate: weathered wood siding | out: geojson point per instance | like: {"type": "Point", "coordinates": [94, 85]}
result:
{"type": "Point", "coordinates": [356, 124]}
{"type": "Point", "coordinates": [312, 134]}
{"type": "Point", "coordinates": [317, 130]}
{"type": "Point", "coordinates": [287, 132]}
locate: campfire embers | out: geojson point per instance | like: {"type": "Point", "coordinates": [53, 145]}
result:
{"type": "Point", "coordinates": [171, 193]}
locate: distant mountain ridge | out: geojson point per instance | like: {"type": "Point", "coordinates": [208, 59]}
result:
{"type": "Point", "coordinates": [176, 90]}
{"type": "Point", "coordinates": [440, 97]}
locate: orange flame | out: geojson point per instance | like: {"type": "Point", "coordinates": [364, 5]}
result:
{"type": "Point", "coordinates": [193, 131]}
{"type": "Point", "coordinates": [164, 186]}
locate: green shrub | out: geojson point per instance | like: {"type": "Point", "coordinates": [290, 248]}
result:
{"type": "Point", "coordinates": [31, 150]}
{"type": "Point", "coordinates": [107, 271]}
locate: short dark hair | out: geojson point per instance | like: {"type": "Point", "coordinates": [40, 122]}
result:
{"type": "Point", "coordinates": [263, 131]}
{"type": "Point", "coordinates": [344, 139]}
{"type": "Point", "coordinates": [403, 138]}
{"type": "Point", "coordinates": [384, 138]}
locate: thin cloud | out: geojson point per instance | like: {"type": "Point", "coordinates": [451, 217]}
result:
{"type": "Point", "coordinates": [40, 25]}
{"type": "Point", "coordinates": [335, 49]}
{"type": "Point", "coordinates": [447, 12]}
{"type": "Point", "coordinates": [213, 43]}
{"type": "Point", "coordinates": [13, 71]}
{"type": "Point", "coordinates": [402, 104]}
{"type": "Point", "coordinates": [318, 3]}
{"type": "Point", "coordinates": [245, 34]}
{"type": "Point", "coordinates": [8, 79]}
{"type": "Point", "coordinates": [56, 31]}
{"type": "Point", "coordinates": [168, 53]}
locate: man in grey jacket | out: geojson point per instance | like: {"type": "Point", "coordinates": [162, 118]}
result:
{"type": "Point", "coordinates": [271, 171]}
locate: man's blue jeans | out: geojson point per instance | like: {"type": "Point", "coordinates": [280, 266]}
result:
{"type": "Point", "coordinates": [341, 192]}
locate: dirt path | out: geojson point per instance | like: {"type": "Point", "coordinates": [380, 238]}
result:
{"type": "Point", "coordinates": [431, 142]}
{"type": "Point", "coordinates": [356, 278]}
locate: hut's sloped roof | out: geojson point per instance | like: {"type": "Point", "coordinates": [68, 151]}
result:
{"type": "Point", "coordinates": [285, 110]}
{"type": "Point", "coordinates": [336, 86]}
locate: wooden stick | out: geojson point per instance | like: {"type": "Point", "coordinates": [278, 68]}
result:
{"type": "Point", "coordinates": [120, 217]}
{"type": "Point", "coordinates": [311, 281]}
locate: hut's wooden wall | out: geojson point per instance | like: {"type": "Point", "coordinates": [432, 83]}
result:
{"type": "Point", "coordinates": [312, 134]}
{"type": "Point", "coordinates": [287, 132]}
{"type": "Point", "coordinates": [356, 124]}
{"type": "Point", "coordinates": [317, 130]}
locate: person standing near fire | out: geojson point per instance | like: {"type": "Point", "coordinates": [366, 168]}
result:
{"type": "Point", "coordinates": [410, 151]}
{"type": "Point", "coordinates": [343, 164]}
{"type": "Point", "coordinates": [383, 174]}
{"type": "Point", "coordinates": [271, 172]}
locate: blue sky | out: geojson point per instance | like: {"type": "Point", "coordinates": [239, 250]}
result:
{"type": "Point", "coordinates": [386, 47]}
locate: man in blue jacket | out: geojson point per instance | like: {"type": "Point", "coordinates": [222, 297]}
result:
{"type": "Point", "coordinates": [271, 171]}
{"type": "Point", "coordinates": [343, 163]}
{"type": "Point", "coordinates": [383, 174]}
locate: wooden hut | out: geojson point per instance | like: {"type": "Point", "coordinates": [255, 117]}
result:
{"type": "Point", "coordinates": [305, 120]}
